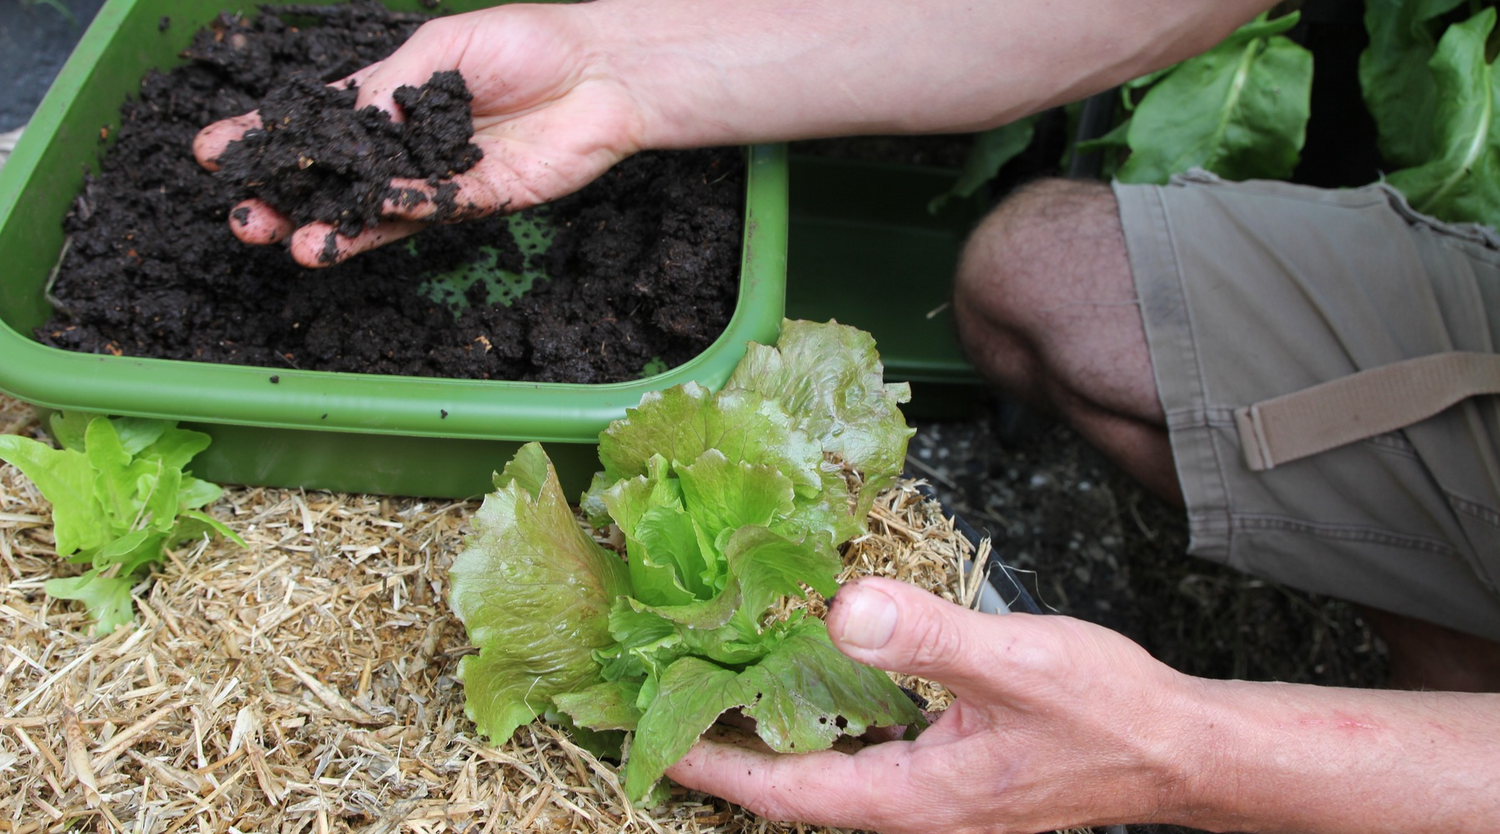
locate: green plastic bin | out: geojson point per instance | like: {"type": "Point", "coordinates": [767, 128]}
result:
{"type": "Point", "coordinates": [347, 432]}
{"type": "Point", "coordinates": [866, 250]}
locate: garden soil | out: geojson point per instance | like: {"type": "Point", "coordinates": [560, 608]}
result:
{"type": "Point", "coordinates": [643, 263]}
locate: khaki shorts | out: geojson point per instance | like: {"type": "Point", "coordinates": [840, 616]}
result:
{"type": "Point", "coordinates": [1254, 290]}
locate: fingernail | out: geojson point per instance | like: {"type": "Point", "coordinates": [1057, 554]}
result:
{"type": "Point", "coordinates": [869, 617]}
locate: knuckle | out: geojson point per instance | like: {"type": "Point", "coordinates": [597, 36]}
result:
{"type": "Point", "coordinates": [933, 640]}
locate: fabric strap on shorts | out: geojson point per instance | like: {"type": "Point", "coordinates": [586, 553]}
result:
{"type": "Point", "coordinates": [1361, 405]}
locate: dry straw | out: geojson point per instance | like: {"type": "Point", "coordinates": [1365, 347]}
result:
{"type": "Point", "coordinates": [305, 684]}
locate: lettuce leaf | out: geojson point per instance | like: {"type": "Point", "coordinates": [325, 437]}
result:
{"type": "Point", "coordinates": [727, 503]}
{"type": "Point", "coordinates": [829, 377]}
{"type": "Point", "coordinates": [1395, 79]}
{"type": "Point", "coordinates": [534, 592]}
{"type": "Point", "coordinates": [802, 696]}
{"type": "Point", "coordinates": [120, 497]}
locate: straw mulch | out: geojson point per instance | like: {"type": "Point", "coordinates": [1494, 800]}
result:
{"type": "Point", "coordinates": [305, 684]}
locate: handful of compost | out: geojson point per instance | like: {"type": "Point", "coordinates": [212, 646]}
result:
{"type": "Point", "coordinates": [316, 158]}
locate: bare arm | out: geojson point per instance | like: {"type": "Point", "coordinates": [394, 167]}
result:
{"type": "Point", "coordinates": [789, 69]}
{"type": "Point", "coordinates": [1059, 723]}
{"type": "Point", "coordinates": [562, 92]}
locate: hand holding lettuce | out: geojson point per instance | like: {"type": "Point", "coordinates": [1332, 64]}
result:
{"type": "Point", "coordinates": [727, 502]}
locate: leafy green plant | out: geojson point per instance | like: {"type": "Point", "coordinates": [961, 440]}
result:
{"type": "Point", "coordinates": [727, 502]}
{"type": "Point", "coordinates": [1239, 110]}
{"type": "Point", "coordinates": [1451, 141]}
{"type": "Point", "coordinates": [989, 153]}
{"type": "Point", "coordinates": [119, 498]}
{"type": "Point", "coordinates": [1428, 77]}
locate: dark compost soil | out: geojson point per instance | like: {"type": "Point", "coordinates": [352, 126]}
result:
{"type": "Point", "coordinates": [318, 158]}
{"type": "Point", "coordinates": [644, 262]}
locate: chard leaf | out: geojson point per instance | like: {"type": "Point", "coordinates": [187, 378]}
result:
{"type": "Point", "coordinates": [1239, 110]}
{"type": "Point", "coordinates": [107, 598]}
{"type": "Point", "coordinates": [803, 696]}
{"type": "Point", "coordinates": [828, 376]}
{"type": "Point", "coordinates": [534, 592]}
{"type": "Point", "coordinates": [1461, 181]}
{"type": "Point", "coordinates": [989, 153]}
{"type": "Point", "coordinates": [65, 478]}
{"type": "Point", "coordinates": [1394, 75]}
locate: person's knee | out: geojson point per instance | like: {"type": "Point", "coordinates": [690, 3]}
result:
{"type": "Point", "coordinates": [1011, 262]}
{"type": "Point", "coordinates": [1015, 267]}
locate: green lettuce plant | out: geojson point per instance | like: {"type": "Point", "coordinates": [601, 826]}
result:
{"type": "Point", "coordinates": [727, 502]}
{"type": "Point", "coordinates": [120, 497]}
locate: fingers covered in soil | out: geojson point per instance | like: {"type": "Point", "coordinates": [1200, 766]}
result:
{"type": "Point", "coordinates": [317, 158]}
{"type": "Point", "coordinates": [319, 245]}
{"type": "Point", "coordinates": [256, 223]}
{"type": "Point", "coordinates": [453, 201]}
{"type": "Point", "coordinates": [211, 141]}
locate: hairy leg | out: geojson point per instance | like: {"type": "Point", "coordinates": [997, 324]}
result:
{"type": "Point", "coordinates": [1047, 309]}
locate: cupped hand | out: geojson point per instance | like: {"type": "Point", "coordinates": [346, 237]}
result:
{"type": "Point", "coordinates": [547, 120]}
{"type": "Point", "coordinates": [1057, 723]}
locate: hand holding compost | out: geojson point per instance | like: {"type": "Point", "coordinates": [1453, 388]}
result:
{"type": "Point", "coordinates": [541, 130]}
{"type": "Point", "coordinates": [727, 502]}
{"type": "Point", "coordinates": [640, 269]}
{"type": "Point", "coordinates": [316, 158]}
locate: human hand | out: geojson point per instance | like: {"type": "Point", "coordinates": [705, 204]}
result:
{"type": "Point", "coordinates": [1057, 723]}
{"type": "Point", "coordinates": [547, 122]}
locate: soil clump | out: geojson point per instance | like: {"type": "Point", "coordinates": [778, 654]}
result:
{"type": "Point", "coordinates": [318, 158]}
{"type": "Point", "coordinates": [643, 263]}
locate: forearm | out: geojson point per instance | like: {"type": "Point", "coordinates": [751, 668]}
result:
{"type": "Point", "coordinates": [785, 69]}
{"type": "Point", "coordinates": [1280, 757]}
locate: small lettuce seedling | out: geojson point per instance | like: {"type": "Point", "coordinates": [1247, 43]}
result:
{"type": "Point", "coordinates": [727, 503]}
{"type": "Point", "coordinates": [119, 498]}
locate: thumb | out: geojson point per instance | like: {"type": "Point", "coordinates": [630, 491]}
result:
{"type": "Point", "coordinates": [900, 628]}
